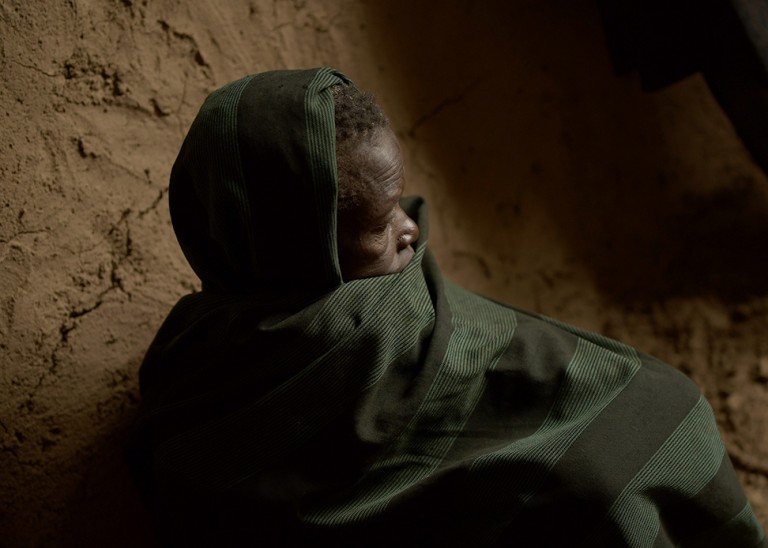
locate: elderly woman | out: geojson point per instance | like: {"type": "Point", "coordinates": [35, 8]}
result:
{"type": "Point", "coordinates": [328, 387]}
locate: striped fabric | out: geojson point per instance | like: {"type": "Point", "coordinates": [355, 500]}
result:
{"type": "Point", "coordinates": [400, 410]}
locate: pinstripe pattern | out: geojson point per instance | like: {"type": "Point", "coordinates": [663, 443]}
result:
{"type": "Point", "coordinates": [451, 399]}
{"type": "Point", "coordinates": [321, 146]}
{"type": "Point", "coordinates": [593, 378]}
{"type": "Point", "coordinates": [397, 410]}
{"type": "Point", "coordinates": [235, 183]}
{"type": "Point", "coordinates": [744, 525]}
{"type": "Point", "coordinates": [332, 369]}
{"type": "Point", "coordinates": [684, 464]}
{"type": "Point", "coordinates": [223, 124]}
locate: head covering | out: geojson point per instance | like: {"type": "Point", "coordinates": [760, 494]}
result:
{"type": "Point", "coordinates": [398, 410]}
{"type": "Point", "coordinates": [253, 190]}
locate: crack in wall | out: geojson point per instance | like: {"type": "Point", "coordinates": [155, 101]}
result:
{"type": "Point", "coordinates": [24, 233]}
{"type": "Point", "coordinates": [156, 202]}
{"type": "Point", "coordinates": [172, 33]}
{"type": "Point", "coordinates": [36, 69]}
{"type": "Point", "coordinates": [442, 105]}
{"type": "Point", "coordinates": [75, 316]}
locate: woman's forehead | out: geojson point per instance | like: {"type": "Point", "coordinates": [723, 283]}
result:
{"type": "Point", "coordinates": [379, 159]}
{"type": "Point", "coordinates": [381, 167]}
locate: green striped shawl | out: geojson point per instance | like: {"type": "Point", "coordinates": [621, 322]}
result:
{"type": "Point", "coordinates": [283, 407]}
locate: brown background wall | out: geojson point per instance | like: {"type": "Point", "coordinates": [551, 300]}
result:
{"type": "Point", "coordinates": [553, 185]}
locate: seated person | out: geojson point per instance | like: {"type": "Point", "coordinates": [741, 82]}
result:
{"type": "Point", "coordinates": [328, 387]}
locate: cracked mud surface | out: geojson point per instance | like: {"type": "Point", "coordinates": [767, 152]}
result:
{"type": "Point", "coordinates": [553, 185]}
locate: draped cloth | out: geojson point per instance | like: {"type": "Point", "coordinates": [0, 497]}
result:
{"type": "Point", "coordinates": [282, 406]}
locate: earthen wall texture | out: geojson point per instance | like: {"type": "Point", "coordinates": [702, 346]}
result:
{"type": "Point", "coordinates": [553, 185]}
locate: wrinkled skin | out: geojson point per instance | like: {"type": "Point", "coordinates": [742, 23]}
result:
{"type": "Point", "coordinates": [376, 237]}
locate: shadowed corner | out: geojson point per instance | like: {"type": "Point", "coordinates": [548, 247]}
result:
{"type": "Point", "coordinates": [725, 249]}
{"type": "Point", "coordinates": [704, 245]}
{"type": "Point", "coordinates": [107, 509]}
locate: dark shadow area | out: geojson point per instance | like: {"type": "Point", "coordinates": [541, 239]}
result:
{"type": "Point", "coordinates": [517, 103]}
{"type": "Point", "coordinates": [722, 244]}
{"type": "Point", "coordinates": [106, 510]}
{"type": "Point", "coordinates": [704, 245]}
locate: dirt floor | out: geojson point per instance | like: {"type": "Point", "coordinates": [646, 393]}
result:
{"type": "Point", "coordinates": [553, 185]}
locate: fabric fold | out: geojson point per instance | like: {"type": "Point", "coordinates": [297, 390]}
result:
{"type": "Point", "coordinates": [282, 406]}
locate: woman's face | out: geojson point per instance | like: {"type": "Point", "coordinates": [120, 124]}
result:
{"type": "Point", "coordinates": [375, 237]}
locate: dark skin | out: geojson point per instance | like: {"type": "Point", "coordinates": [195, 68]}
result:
{"type": "Point", "coordinates": [376, 237]}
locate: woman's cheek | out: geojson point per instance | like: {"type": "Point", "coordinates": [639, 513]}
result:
{"type": "Point", "coordinates": [377, 244]}
{"type": "Point", "coordinates": [404, 257]}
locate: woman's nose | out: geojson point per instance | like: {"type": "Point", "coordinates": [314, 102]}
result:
{"type": "Point", "coordinates": [409, 232]}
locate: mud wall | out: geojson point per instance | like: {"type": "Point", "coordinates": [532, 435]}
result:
{"type": "Point", "coordinates": [553, 185]}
